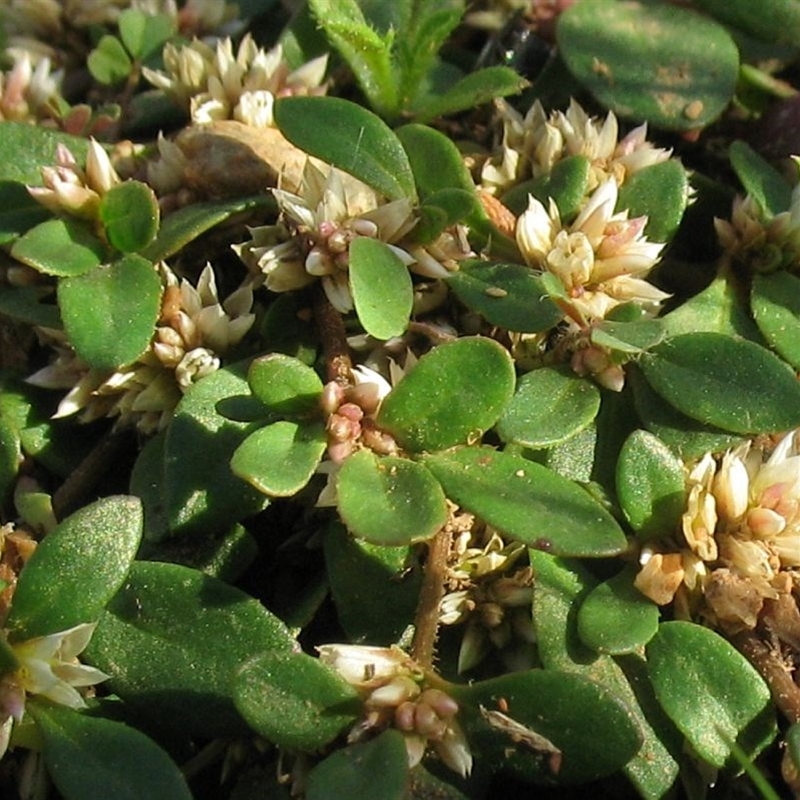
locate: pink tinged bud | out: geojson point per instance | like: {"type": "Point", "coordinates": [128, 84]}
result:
{"type": "Point", "coordinates": [619, 234]}
{"type": "Point", "coordinates": [351, 411]}
{"type": "Point", "coordinates": [326, 228]}
{"type": "Point", "coordinates": [404, 717]}
{"type": "Point", "coordinates": [365, 395]}
{"type": "Point", "coordinates": [611, 378]}
{"type": "Point", "coordinates": [765, 523]}
{"type": "Point", "coordinates": [428, 723]}
{"type": "Point", "coordinates": [339, 451]}
{"type": "Point", "coordinates": [398, 690]}
{"type": "Point", "coordinates": [378, 441]}
{"type": "Point", "coordinates": [342, 429]}
{"type": "Point", "coordinates": [332, 396]}
{"type": "Point", "coordinates": [440, 702]}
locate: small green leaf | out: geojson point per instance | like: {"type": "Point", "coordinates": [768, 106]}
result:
{"type": "Point", "coordinates": [381, 287]}
{"type": "Point", "coordinates": [628, 337]}
{"type": "Point", "coordinates": [110, 313]}
{"type": "Point", "coordinates": [731, 383]}
{"type": "Point", "coordinates": [19, 211]}
{"type": "Point", "coordinates": [474, 89]}
{"type": "Point", "coordinates": [109, 62]}
{"type": "Point", "coordinates": [173, 638]}
{"type": "Point", "coordinates": [680, 75]}
{"type": "Point", "coordinates": [279, 459]}
{"type": "Point", "coordinates": [775, 300]}
{"type": "Point", "coordinates": [389, 501]}
{"type": "Point", "coordinates": [293, 700]}
{"type": "Point", "coordinates": [550, 405]}
{"type": "Point", "coordinates": [616, 617]}
{"type": "Point", "coordinates": [511, 296]}
{"type": "Point", "coordinates": [90, 756]}
{"type": "Point", "coordinates": [144, 34]}
{"type": "Point", "coordinates": [351, 138]}
{"type": "Point", "coordinates": [187, 224]}
{"type": "Point", "coordinates": [650, 485]}
{"type": "Point", "coordinates": [130, 214]}
{"type": "Point", "coordinates": [710, 691]}
{"type": "Point", "coordinates": [61, 247]}
{"type": "Point", "coordinates": [23, 303]}
{"type": "Point", "coordinates": [527, 502]}
{"type": "Point", "coordinates": [90, 552]}
{"type": "Point", "coordinates": [203, 494]}
{"type": "Point", "coordinates": [284, 384]}
{"type": "Point", "coordinates": [760, 179]}
{"type": "Point", "coordinates": [567, 184]}
{"type": "Point", "coordinates": [659, 192]}
{"type": "Point", "coordinates": [452, 396]}
{"type": "Point", "coordinates": [25, 148]}
{"type": "Point", "coordinates": [770, 20]}
{"type": "Point", "coordinates": [591, 728]}
{"type": "Point", "coordinates": [373, 770]}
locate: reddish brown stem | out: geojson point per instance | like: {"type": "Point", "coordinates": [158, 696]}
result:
{"type": "Point", "coordinates": [334, 338]}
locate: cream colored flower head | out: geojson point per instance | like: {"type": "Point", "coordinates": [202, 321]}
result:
{"type": "Point", "coordinates": [312, 237]}
{"type": "Point", "coordinates": [218, 84]}
{"type": "Point", "coordinates": [601, 259]}
{"type": "Point", "coordinates": [25, 90]}
{"type": "Point", "coordinates": [532, 145]}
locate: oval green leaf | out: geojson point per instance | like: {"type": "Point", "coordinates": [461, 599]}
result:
{"type": "Point", "coordinates": [527, 502]}
{"type": "Point", "coordinates": [24, 148]}
{"type": "Point", "coordinates": [760, 179]}
{"type": "Point", "coordinates": [616, 617]}
{"type": "Point", "coordinates": [294, 701]}
{"type": "Point", "coordinates": [130, 213]}
{"type": "Point", "coordinates": [593, 730]}
{"type": "Point", "coordinates": [351, 138]}
{"type": "Point", "coordinates": [373, 770]}
{"type": "Point", "coordinates": [508, 295]}
{"type": "Point", "coordinates": [650, 61]}
{"type": "Point", "coordinates": [550, 405]}
{"type": "Point", "coordinates": [173, 638]}
{"type": "Point", "coordinates": [389, 501]}
{"type": "Point", "coordinates": [89, 756]}
{"type": "Point", "coordinates": [770, 20]}
{"type": "Point", "coordinates": [110, 313]}
{"type": "Point", "coordinates": [284, 384]}
{"type": "Point", "coordinates": [90, 552]}
{"type": "Point", "coordinates": [381, 287]}
{"type": "Point", "coordinates": [60, 247]}
{"type": "Point", "coordinates": [109, 62]}
{"type": "Point", "coordinates": [202, 494]}
{"type": "Point", "coordinates": [775, 300]}
{"type": "Point", "coordinates": [731, 383]}
{"type": "Point", "coordinates": [710, 691]}
{"type": "Point", "coordinates": [279, 459]}
{"type": "Point", "coordinates": [650, 485]}
{"type": "Point", "coordinates": [453, 395]}
{"type": "Point", "coordinates": [567, 184]}
{"type": "Point", "coordinates": [144, 33]}
{"type": "Point", "coordinates": [628, 337]}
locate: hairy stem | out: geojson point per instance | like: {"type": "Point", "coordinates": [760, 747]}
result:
{"type": "Point", "coordinates": [426, 621]}
{"type": "Point", "coordinates": [339, 365]}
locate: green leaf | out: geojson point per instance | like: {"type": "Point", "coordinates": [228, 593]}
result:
{"type": "Point", "coordinates": [349, 137]}
{"type": "Point", "coordinates": [452, 396]}
{"type": "Point", "coordinates": [650, 485]}
{"type": "Point", "coordinates": [294, 701]}
{"type": "Point", "coordinates": [374, 590]}
{"type": "Point", "coordinates": [110, 313]}
{"type": "Point", "coordinates": [130, 214]}
{"type": "Point", "coordinates": [23, 303]}
{"type": "Point", "coordinates": [710, 691]}
{"type": "Point", "coordinates": [775, 300]}
{"type": "Point", "coordinates": [25, 149]}
{"type": "Point", "coordinates": [435, 160]}
{"type": "Point", "coordinates": [92, 757]}
{"type": "Point", "coordinates": [173, 638]}
{"type": "Point", "coordinates": [144, 34]}
{"type": "Point", "coordinates": [628, 337]}
{"type": "Point", "coordinates": [591, 728]}
{"type": "Point", "coordinates": [367, 52]}
{"type": "Point", "coordinates": [770, 20]}
{"type": "Point", "coordinates": [109, 62]}
{"type": "Point", "coordinates": [680, 75]}
{"type": "Point", "coordinates": [760, 179]}
{"type": "Point", "coordinates": [279, 459]}
{"type": "Point", "coordinates": [61, 247]}
{"type": "Point", "coordinates": [381, 287]}
{"type": "Point", "coordinates": [550, 405]}
{"type": "Point", "coordinates": [90, 552]}
{"type": "Point", "coordinates": [567, 184]}
{"type": "Point", "coordinates": [19, 211]}
{"type": "Point", "coordinates": [616, 617]}
{"type": "Point", "coordinates": [187, 224]}
{"type": "Point", "coordinates": [373, 770]}
{"type": "Point", "coordinates": [659, 192]}
{"type": "Point", "coordinates": [731, 383]}
{"type": "Point", "coordinates": [284, 384]}
{"type": "Point", "coordinates": [510, 296]}
{"type": "Point", "coordinates": [472, 90]}
{"type": "Point", "coordinates": [527, 502]}
{"type": "Point", "coordinates": [203, 494]}
{"type": "Point", "coordinates": [10, 456]}
{"type": "Point", "coordinates": [389, 501]}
